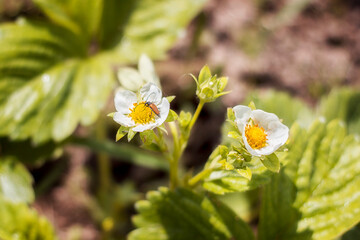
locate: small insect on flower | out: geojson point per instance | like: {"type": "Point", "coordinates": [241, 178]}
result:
{"type": "Point", "coordinates": [145, 111]}
{"type": "Point", "coordinates": [153, 108]}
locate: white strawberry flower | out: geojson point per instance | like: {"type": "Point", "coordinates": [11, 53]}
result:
{"type": "Point", "coordinates": [262, 132]}
{"type": "Point", "coordinates": [145, 112]}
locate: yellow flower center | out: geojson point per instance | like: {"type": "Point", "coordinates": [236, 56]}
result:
{"type": "Point", "coordinates": [141, 113]}
{"type": "Point", "coordinates": [255, 135]}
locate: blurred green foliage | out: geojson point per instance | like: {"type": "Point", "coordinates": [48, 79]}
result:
{"type": "Point", "coordinates": [57, 74]}
{"type": "Point", "coordinates": [15, 182]}
{"type": "Point", "coordinates": [18, 221]}
{"type": "Point", "coordinates": [342, 104]}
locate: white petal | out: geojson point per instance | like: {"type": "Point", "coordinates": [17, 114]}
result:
{"type": "Point", "coordinates": [264, 118]}
{"type": "Point", "coordinates": [147, 70]}
{"type": "Point", "coordinates": [151, 93]}
{"type": "Point", "coordinates": [242, 115]}
{"type": "Point", "coordinates": [144, 127]}
{"type": "Point", "coordinates": [124, 100]}
{"type": "Point", "coordinates": [123, 120]}
{"type": "Point", "coordinates": [130, 78]}
{"type": "Point", "coordinates": [164, 108]}
{"type": "Point", "coordinates": [277, 133]}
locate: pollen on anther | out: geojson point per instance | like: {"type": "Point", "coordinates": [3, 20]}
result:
{"type": "Point", "coordinates": [255, 136]}
{"type": "Point", "coordinates": [141, 114]}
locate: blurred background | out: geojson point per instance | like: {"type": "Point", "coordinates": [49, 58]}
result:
{"type": "Point", "coordinates": [303, 48]}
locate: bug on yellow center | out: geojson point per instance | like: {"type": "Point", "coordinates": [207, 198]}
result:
{"type": "Point", "coordinates": [153, 108]}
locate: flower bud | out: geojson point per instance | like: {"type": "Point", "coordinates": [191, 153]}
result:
{"type": "Point", "coordinates": [209, 87]}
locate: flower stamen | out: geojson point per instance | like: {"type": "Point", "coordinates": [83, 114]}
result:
{"type": "Point", "coordinates": [256, 136]}
{"type": "Point", "coordinates": [141, 114]}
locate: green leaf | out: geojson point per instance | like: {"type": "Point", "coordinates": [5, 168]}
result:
{"type": "Point", "coordinates": [47, 79]}
{"type": "Point", "coordinates": [15, 182]}
{"type": "Point", "coordinates": [342, 104]}
{"type": "Point", "coordinates": [287, 108]}
{"type": "Point", "coordinates": [222, 181]}
{"type": "Point", "coordinates": [80, 16]}
{"type": "Point", "coordinates": [354, 233]}
{"type": "Point", "coordinates": [271, 162]}
{"type": "Point", "coordinates": [152, 26]}
{"type": "Point", "coordinates": [18, 221]}
{"type": "Point", "coordinates": [182, 214]}
{"type": "Point", "coordinates": [56, 101]}
{"type": "Point", "coordinates": [316, 195]}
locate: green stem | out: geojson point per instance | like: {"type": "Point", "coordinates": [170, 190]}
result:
{"type": "Point", "coordinates": [179, 145]}
{"type": "Point", "coordinates": [194, 180]}
{"type": "Point", "coordinates": [103, 159]}
{"type": "Point", "coordinates": [174, 159]}
{"type": "Point", "coordinates": [196, 114]}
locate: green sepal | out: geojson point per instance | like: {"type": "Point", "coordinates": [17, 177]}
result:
{"type": "Point", "coordinates": [172, 116]}
{"type": "Point", "coordinates": [207, 94]}
{"type": "Point", "coordinates": [147, 137]}
{"type": "Point", "coordinates": [232, 157]}
{"type": "Point", "coordinates": [204, 75]}
{"type": "Point", "coordinates": [230, 114]}
{"type": "Point", "coordinates": [130, 135]}
{"type": "Point", "coordinates": [271, 162]}
{"type": "Point", "coordinates": [222, 82]}
{"type": "Point", "coordinates": [252, 105]}
{"type": "Point", "coordinates": [170, 98]}
{"type": "Point", "coordinates": [111, 114]}
{"type": "Point", "coordinates": [163, 129]}
{"type": "Point", "coordinates": [223, 151]}
{"type": "Point", "coordinates": [235, 135]}
{"type": "Point", "coordinates": [222, 94]}
{"type": "Point", "coordinates": [121, 132]}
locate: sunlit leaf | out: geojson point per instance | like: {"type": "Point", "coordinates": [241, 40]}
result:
{"type": "Point", "coordinates": [15, 182]}
{"type": "Point", "coordinates": [81, 17]}
{"type": "Point", "coordinates": [182, 214]}
{"type": "Point", "coordinates": [50, 79]}
{"type": "Point", "coordinates": [50, 97]}
{"type": "Point", "coordinates": [287, 108]}
{"type": "Point", "coordinates": [342, 104]}
{"type": "Point", "coordinates": [316, 196]}
{"type": "Point", "coordinates": [153, 26]}
{"type": "Point", "coordinates": [222, 181]}
{"type": "Point", "coordinates": [271, 162]}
